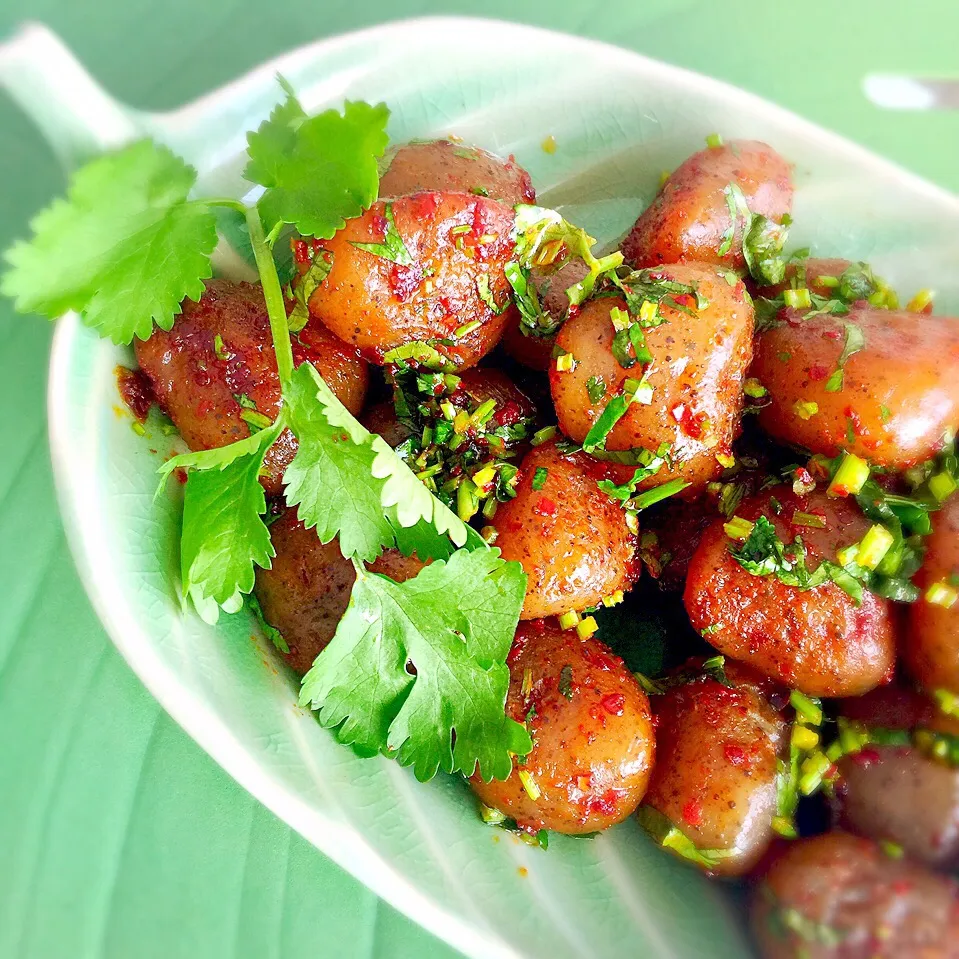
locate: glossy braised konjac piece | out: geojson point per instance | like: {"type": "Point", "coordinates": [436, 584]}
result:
{"type": "Point", "coordinates": [593, 740]}
{"type": "Point", "coordinates": [817, 640]}
{"type": "Point", "coordinates": [451, 239]}
{"type": "Point", "coordinates": [699, 363]}
{"type": "Point", "coordinates": [896, 793]}
{"type": "Point", "coordinates": [205, 384]}
{"type": "Point", "coordinates": [900, 392]}
{"type": "Point", "coordinates": [840, 897]}
{"type": "Point", "coordinates": [690, 215]}
{"type": "Point", "coordinates": [715, 775]}
{"type": "Point", "coordinates": [454, 167]}
{"type": "Point", "coordinates": [305, 593]}
{"type": "Point", "coordinates": [570, 538]}
{"type": "Point", "coordinates": [931, 651]}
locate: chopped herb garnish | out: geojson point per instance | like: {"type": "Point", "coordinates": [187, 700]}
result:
{"type": "Point", "coordinates": [391, 247]}
{"type": "Point", "coordinates": [565, 681]}
{"type": "Point", "coordinates": [854, 342]}
{"type": "Point", "coordinates": [764, 554]}
{"type": "Point", "coordinates": [539, 477]}
{"type": "Point", "coordinates": [486, 294]}
{"type": "Point", "coordinates": [596, 388]}
{"type": "Point", "coordinates": [319, 269]}
{"type": "Point", "coordinates": [669, 836]}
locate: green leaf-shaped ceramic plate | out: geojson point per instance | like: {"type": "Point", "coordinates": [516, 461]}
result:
{"type": "Point", "coordinates": [618, 121]}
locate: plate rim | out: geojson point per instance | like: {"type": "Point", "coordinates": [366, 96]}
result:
{"type": "Point", "coordinates": [346, 846]}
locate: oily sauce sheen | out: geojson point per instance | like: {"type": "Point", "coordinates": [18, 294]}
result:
{"type": "Point", "coordinates": [756, 692]}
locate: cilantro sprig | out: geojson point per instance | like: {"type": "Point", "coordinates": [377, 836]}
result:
{"type": "Point", "coordinates": [125, 247]}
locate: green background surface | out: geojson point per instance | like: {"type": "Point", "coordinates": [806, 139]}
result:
{"type": "Point", "coordinates": [118, 836]}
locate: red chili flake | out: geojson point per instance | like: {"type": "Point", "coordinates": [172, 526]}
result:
{"type": "Point", "coordinates": [301, 252]}
{"type": "Point", "coordinates": [614, 703]}
{"type": "Point", "coordinates": [818, 372]}
{"type": "Point", "coordinates": [509, 414]}
{"type": "Point", "coordinates": [180, 474]}
{"type": "Point", "coordinates": [544, 507]}
{"type": "Point", "coordinates": [403, 281]}
{"type": "Point", "coordinates": [865, 757]}
{"type": "Point", "coordinates": [373, 354]}
{"type": "Point", "coordinates": [529, 195]}
{"type": "Point", "coordinates": [202, 378]}
{"type": "Point", "coordinates": [735, 755]}
{"type": "Point", "coordinates": [136, 391]}
{"type": "Point", "coordinates": [204, 408]}
{"type": "Point", "coordinates": [693, 813]}
{"type": "Point", "coordinates": [606, 804]}
{"type": "Point", "coordinates": [832, 334]}
{"type": "Point", "coordinates": [902, 887]}
{"type": "Point", "coordinates": [854, 418]}
{"type": "Point", "coordinates": [425, 205]}
{"type": "Point", "coordinates": [689, 422]}
{"type": "Point", "coordinates": [684, 299]}
{"type": "Point", "coordinates": [379, 225]}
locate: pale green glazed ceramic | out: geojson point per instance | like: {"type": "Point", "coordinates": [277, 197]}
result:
{"type": "Point", "coordinates": [618, 119]}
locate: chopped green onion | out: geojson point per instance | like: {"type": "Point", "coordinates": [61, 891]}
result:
{"type": "Point", "coordinates": [714, 140]}
{"type": "Point", "coordinates": [586, 627]}
{"type": "Point", "coordinates": [808, 708]}
{"type": "Point", "coordinates": [549, 144]}
{"type": "Point", "coordinates": [920, 301]}
{"type": "Point", "coordinates": [874, 546]}
{"type": "Point", "coordinates": [798, 299]}
{"type": "Point", "coordinates": [812, 772]}
{"type": "Point", "coordinates": [544, 435]}
{"type": "Point", "coordinates": [805, 409]}
{"type": "Point", "coordinates": [942, 594]}
{"type": "Point", "coordinates": [808, 519]}
{"type": "Point", "coordinates": [255, 420]}
{"type": "Point", "coordinates": [942, 486]}
{"type": "Point", "coordinates": [491, 816]}
{"type": "Point", "coordinates": [532, 790]}
{"type": "Point", "coordinates": [948, 702]}
{"type": "Point", "coordinates": [565, 363]}
{"type": "Point", "coordinates": [830, 282]}
{"type": "Point", "coordinates": [753, 388]}
{"type": "Point", "coordinates": [738, 528]}
{"type": "Point", "coordinates": [804, 738]}
{"type": "Point", "coordinates": [850, 477]}
{"type": "Point", "coordinates": [569, 619]}
{"type": "Point", "coordinates": [467, 500]}
{"type": "Point", "coordinates": [539, 477]}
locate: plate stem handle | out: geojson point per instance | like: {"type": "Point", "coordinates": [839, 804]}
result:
{"type": "Point", "coordinates": [76, 116]}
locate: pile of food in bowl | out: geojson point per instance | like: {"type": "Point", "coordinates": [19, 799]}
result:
{"type": "Point", "coordinates": [669, 531]}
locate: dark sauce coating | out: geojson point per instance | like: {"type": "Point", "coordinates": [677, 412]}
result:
{"type": "Point", "coordinates": [839, 897]}
{"type": "Point", "coordinates": [447, 165]}
{"type": "Point", "coordinates": [715, 775]}
{"type": "Point", "coordinates": [591, 728]}
{"type": "Point", "coordinates": [217, 364]}
{"type": "Point", "coordinates": [689, 217]}
{"type": "Point", "coordinates": [817, 640]}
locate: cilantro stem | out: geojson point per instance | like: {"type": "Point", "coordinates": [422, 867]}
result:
{"type": "Point", "coordinates": [273, 295]}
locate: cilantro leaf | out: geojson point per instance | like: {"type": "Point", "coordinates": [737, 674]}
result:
{"type": "Point", "coordinates": [392, 247]}
{"type": "Point", "coordinates": [318, 171]}
{"type": "Point", "coordinates": [855, 341]}
{"type": "Point", "coordinates": [454, 622]}
{"type": "Point", "coordinates": [223, 531]}
{"type": "Point", "coordinates": [349, 483]}
{"type": "Point", "coordinates": [123, 249]}
{"type": "Point", "coordinates": [318, 271]}
{"type": "Point", "coordinates": [270, 146]}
